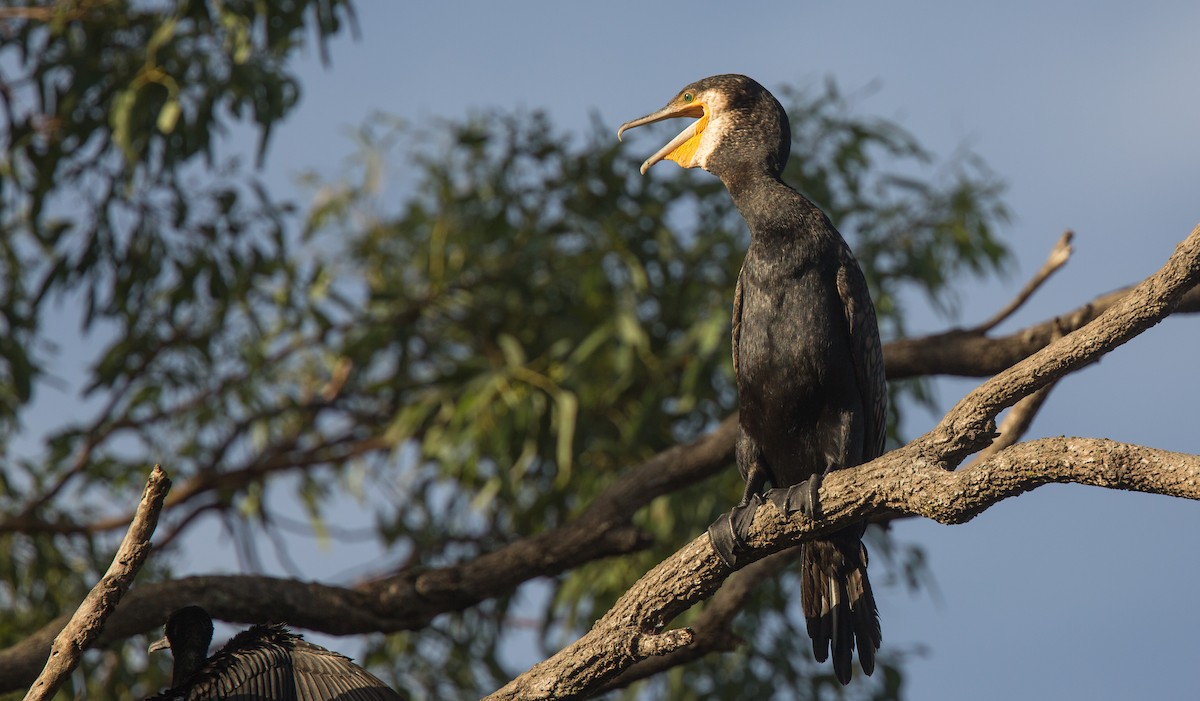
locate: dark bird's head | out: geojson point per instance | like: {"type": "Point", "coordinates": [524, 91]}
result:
{"type": "Point", "coordinates": [189, 631]}
{"type": "Point", "coordinates": [740, 127]}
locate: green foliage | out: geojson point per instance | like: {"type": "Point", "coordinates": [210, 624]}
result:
{"type": "Point", "coordinates": [533, 320]}
{"type": "Point", "coordinates": [114, 203]}
{"type": "Point", "coordinates": [473, 357]}
{"type": "Point", "coordinates": [110, 106]}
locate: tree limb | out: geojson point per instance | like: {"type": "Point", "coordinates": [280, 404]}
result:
{"type": "Point", "coordinates": [959, 352]}
{"type": "Point", "coordinates": [87, 622]}
{"type": "Point", "coordinates": [899, 481]}
{"type": "Point", "coordinates": [911, 480]}
{"type": "Point", "coordinates": [713, 629]}
{"type": "Point", "coordinates": [974, 354]}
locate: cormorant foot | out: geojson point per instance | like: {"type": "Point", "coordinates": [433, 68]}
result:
{"type": "Point", "coordinates": [810, 504]}
{"type": "Point", "coordinates": [800, 497]}
{"type": "Point", "coordinates": [728, 532]}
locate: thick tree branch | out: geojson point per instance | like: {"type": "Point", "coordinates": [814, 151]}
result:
{"type": "Point", "coordinates": [974, 354]}
{"type": "Point", "coordinates": [900, 481]}
{"type": "Point", "coordinates": [912, 480]}
{"type": "Point", "coordinates": [968, 426]}
{"type": "Point", "coordinates": [87, 622]}
{"type": "Point", "coordinates": [712, 630]}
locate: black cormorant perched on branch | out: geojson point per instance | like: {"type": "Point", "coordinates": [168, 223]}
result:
{"type": "Point", "coordinates": [262, 663]}
{"type": "Point", "coordinates": [806, 351]}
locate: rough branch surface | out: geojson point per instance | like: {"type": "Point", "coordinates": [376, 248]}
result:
{"type": "Point", "coordinates": [87, 622]}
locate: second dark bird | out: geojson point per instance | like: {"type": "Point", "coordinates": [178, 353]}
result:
{"type": "Point", "coordinates": [806, 350]}
{"type": "Point", "coordinates": [264, 663]}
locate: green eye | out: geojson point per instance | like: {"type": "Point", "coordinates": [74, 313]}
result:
{"type": "Point", "coordinates": [687, 97]}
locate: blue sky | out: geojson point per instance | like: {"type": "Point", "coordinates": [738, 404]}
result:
{"type": "Point", "coordinates": [1087, 110]}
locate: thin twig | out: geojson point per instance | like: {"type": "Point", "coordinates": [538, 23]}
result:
{"type": "Point", "coordinates": [1058, 258]}
{"type": "Point", "coordinates": [49, 11]}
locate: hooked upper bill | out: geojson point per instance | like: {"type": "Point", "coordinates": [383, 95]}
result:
{"type": "Point", "coordinates": [681, 149]}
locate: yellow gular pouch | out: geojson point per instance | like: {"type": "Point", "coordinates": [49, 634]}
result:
{"type": "Point", "coordinates": [684, 154]}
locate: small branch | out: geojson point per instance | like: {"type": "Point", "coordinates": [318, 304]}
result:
{"type": "Point", "coordinates": [85, 626]}
{"type": "Point", "coordinates": [1015, 423]}
{"type": "Point", "coordinates": [1058, 257]}
{"type": "Point", "coordinates": [38, 14]}
{"type": "Point", "coordinates": [207, 482]}
{"type": "Point", "coordinates": [968, 426]}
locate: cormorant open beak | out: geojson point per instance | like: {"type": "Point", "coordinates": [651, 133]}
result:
{"type": "Point", "coordinates": [157, 645]}
{"type": "Point", "coordinates": [682, 148]}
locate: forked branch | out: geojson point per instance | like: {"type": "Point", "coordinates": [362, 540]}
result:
{"type": "Point", "coordinates": [911, 480]}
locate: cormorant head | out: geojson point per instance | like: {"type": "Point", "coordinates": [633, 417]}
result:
{"type": "Point", "coordinates": [740, 126]}
{"type": "Point", "coordinates": [189, 631]}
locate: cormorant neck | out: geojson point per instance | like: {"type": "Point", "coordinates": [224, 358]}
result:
{"type": "Point", "coordinates": [187, 663]}
{"type": "Point", "coordinates": [740, 181]}
{"type": "Point", "coordinates": [766, 202]}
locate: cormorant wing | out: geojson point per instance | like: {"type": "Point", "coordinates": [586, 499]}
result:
{"type": "Point", "coordinates": [259, 672]}
{"type": "Point", "coordinates": [267, 663]}
{"type": "Point", "coordinates": [328, 676]}
{"type": "Point", "coordinates": [868, 354]}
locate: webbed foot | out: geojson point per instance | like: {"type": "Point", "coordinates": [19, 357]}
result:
{"type": "Point", "coordinates": [800, 497]}
{"type": "Point", "coordinates": [728, 532]}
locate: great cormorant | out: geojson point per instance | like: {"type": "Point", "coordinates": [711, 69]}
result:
{"type": "Point", "coordinates": [806, 351]}
{"type": "Point", "coordinates": [264, 662]}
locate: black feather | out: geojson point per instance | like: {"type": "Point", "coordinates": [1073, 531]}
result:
{"type": "Point", "coordinates": [266, 662]}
